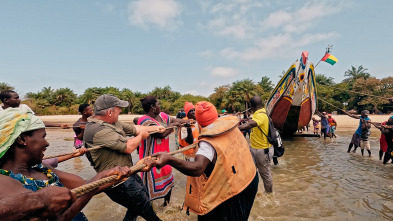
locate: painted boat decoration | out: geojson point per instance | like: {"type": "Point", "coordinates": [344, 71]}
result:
{"type": "Point", "coordinates": [294, 100]}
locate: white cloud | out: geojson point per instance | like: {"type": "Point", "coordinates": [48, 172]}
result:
{"type": "Point", "coordinates": [206, 54]}
{"type": "Point", "coordinates": [275, 46]}
{"type": "Point", "coordinates": [265, 35]}
{"type": "Point", "coordinates": [162, 13]}
{"type": "Point", "coordinates": [303, 18]}
{"type": "Point", "coordinates": [233, 19]}
{"type": "Point", "coordinates": [223, 72]}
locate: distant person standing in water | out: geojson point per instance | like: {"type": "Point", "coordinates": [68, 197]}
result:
{"type": "Point", "coordinates": [315, 123]}
{"type": "Point", "coordinates": [387, 133]}
{"type": "Point", "coordinates": [360, 137]}
{"type": "Point", "coordinates": [324, 124]}
{"type": "Point", "coordinates": [383, 145]}
{"type": "Point", "coordinates": [79, 125]}
{"type": "Point", "coordinates": [332, 126]}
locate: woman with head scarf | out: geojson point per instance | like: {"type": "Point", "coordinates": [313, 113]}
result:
{"type": "Point", "coordinates": [159, 183]}
{"type": "Point", "coordinates": [46, 190]}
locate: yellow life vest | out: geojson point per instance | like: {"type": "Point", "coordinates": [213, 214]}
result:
{"type": "Point", "coordinates": [234, 169]}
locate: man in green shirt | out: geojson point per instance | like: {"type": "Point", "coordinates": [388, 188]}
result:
{"type": "Point", "coordinates": [105, 130]}
{"type": "Point", "coordinates": [261, 150]}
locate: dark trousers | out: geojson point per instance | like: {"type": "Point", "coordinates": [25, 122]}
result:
{"type": "Point", "coordinates": [236, 208]}
{"type": "Point", "coordinates": [133, 195]}
{"type": "Point", "coordinates": [388, 155]}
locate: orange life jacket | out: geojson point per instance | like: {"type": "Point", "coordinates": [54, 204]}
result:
{"type": "Point", "coordinates": [183, 143]}
{"type": "Point", "coordinates": [234, 169]}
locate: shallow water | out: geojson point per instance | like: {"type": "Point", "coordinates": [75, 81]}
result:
{"type": "Point", "coordinates": [315, 179]}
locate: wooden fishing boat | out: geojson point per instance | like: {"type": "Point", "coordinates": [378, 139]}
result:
{"type": "Point", "coordinates": [294, 100]}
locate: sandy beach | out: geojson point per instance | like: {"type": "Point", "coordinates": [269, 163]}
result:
{"type": "Point", "coordinates": [344, 122]}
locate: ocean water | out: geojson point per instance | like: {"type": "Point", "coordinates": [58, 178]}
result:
{"type": "Point", "coordinates": [315, 180]}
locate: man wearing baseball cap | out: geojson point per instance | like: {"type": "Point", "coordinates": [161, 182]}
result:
{"type": "Point", "coordinates": [107, 131]}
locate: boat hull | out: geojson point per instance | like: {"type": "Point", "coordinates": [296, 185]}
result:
{"type": "Point", "coordinates": [294, 100]}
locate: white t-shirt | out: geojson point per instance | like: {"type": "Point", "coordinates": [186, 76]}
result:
{"type": "Point", "coordinates": [207, 150]}
{"type": "Point", "coordinates": [21, 106]}
{"type": "Point", "coordinates": [183, 131]}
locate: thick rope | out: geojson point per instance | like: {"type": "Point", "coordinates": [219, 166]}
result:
{"type": "Point", "coordinates": [97, 147]}
{"type": "Point", "coordinates": [377, 125]}
{"type": "Point", "coordinates": [79, 191]}
{"type": "Point", "coordinates": [356, 92]}
{"type": "Point", "coordinates": [71, 153]}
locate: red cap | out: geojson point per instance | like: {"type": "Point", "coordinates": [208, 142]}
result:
{"type": "Point", "coordinates": [205, 113]}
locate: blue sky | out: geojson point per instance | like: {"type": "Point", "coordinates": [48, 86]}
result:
{"type": "Point", "coordinates": [192, 46]}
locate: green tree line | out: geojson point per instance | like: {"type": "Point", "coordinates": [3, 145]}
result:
{"type": "Point", "coordinates": [358, 91]}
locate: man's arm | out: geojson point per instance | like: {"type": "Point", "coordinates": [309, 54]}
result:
{"type": "Point", "coordinates": [189, 168]}
{"type": "Point", "coordinates": [174, 122]}
{"type": "Point", "coordinates": [134, 142]}
{"type": "Point", "coordinates": [63, 126]}
{"type": "Point", "coordinates": [248, 125]}
{"type": "Point", "coordinates": [80, 152]}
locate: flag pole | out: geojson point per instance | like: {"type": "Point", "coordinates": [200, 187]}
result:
{"type": "Point", "coordinates": [327, 51]}
{"type": "Point", "coordinates": [318, 62]}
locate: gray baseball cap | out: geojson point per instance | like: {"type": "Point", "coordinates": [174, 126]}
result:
{"type": "Point", "coordinates": [106, 101]}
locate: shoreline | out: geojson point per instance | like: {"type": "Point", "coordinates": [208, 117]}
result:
{"type": "Point", "coordinates": [343, 121]}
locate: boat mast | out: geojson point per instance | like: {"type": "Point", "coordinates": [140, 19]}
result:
{"type": "Point", "coordinates": [328, 49]}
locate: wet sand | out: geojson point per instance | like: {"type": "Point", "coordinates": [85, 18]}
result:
{"type": "Point", "coordinates": [315, 180]}
{"type": "Point", "coordinates": [343, 120]}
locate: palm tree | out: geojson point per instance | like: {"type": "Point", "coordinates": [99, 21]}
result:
{"type": "Point", "coordinates": [4, 86]}
{"type": "Point", "coordinates": [166, 92]}
{"type": "Point", "coordinates": [245, 88]}
{"type": "Point", "coordinates": [220, 93]}
{"type": "Point", "coordinates": [126, 94]}
{"type": "Point", "coordinates": [91, 94]}
{"type": "Point", "coordinates": [266, 84]}
{"type": "Point", "coordinates": [157, 92]}
{"type": "Point", "coordinates": [64, 97]}
{"type": "Point", "coordinates": [355, 73]}
{"type": "Point", "coordinates": [323, 80]}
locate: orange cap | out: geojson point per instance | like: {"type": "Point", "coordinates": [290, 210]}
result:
{"type": "Point", "coordinates": [205, 113]}
{"type": "Point", "coordinates": [187, 107]}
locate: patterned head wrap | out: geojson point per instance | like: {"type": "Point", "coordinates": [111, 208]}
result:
{"type": "Point", "coordinates": [13, 122]}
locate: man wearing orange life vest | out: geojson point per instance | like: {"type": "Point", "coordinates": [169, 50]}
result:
{"type": "Point", "coordinates": [188, 134]}
{"type": "Point", "coordinates": [222, 181]}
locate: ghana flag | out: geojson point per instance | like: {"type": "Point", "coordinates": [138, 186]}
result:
{"type": "Point", "coordinates": [329, 59]}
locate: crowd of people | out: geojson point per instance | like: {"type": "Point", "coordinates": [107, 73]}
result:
{"type": "Point", "coordinates": [223, 158]}
{"type": "Point", "coordinates": [222, 171]}
{"type": "Point", "coordinates": [361, 136]}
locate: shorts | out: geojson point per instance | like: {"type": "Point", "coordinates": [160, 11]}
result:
{"type": "Point", "coordinates": [316, 129]}
{"type": "Point", "coordinates": [365, 144]}
{"type": "Point", "coordinates": [332, 129]}
{"type": "Point", "coordinates": [356, 139]}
